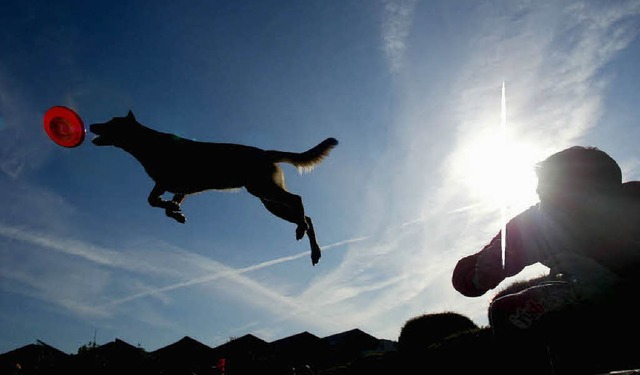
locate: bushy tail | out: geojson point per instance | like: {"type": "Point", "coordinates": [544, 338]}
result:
{"type": "Point", "coordinates": [304, 161]}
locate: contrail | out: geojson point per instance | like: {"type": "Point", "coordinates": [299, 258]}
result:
{"type": "Point", "coordinates": [416, 221]}
{"type": "Point", "coordinates": [230, 272]}
{"type": "Point", "coordinates": [464, 208]}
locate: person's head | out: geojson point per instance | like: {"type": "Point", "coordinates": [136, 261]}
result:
{"type": "Point", "coordinates": [574, 176]}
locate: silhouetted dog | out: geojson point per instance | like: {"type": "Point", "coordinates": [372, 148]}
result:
{"type": "Point", "coordinates": [181, 166]}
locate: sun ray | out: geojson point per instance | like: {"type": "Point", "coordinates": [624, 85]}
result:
{"type": "Point", "coordinates": [503, 210]}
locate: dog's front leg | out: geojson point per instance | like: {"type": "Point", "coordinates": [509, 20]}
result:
{"type": "Point", "coordinates": [174, 211]}
{"type": "Point", "coordinates": [171, 208]}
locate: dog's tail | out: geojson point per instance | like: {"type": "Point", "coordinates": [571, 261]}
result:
{"type": "Point", "coordinates": [304, 161]}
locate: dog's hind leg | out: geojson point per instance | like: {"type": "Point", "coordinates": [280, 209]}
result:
{"type": "Point", "coordinates": [284, 212]}
{"type": "Point", "coordinates": [292, 202]}
{"type": "Point", "coordinates": [315, 248]}
{"type": "Point", "coordinates": [171, 208]}
{"type": "Point", "coordinates": [269, 185]}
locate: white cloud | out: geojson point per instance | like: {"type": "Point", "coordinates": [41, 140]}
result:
{"type": "Point", "coordinates": [95, 254]}
{"type": "Point", "coordinates": [551, 57]}
{"type": "Point", "coordinates": [87, 278]}
{"type": "Point", "coordinates": [21, 143]}
{"type": "Point", "coordinates": [398, 15]}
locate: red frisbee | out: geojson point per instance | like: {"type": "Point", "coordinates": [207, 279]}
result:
{"type": "Point", "coordinates": [64, 126]}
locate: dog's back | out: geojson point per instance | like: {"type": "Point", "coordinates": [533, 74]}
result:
{"type": "Point", "coordinates": [185, 166]}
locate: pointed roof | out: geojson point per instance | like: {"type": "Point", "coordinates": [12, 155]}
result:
{"type": "Point", "coordinates": [302, 349]}
{"type": "Point", "coordinates": [114, 357]}
{"type": "Point", "coordinates": [40, 355]}
{"type": "Point", "coordinates": [185, 354]}
{"type": "Point", "coordinates": [352, 336]}
{"type": "Point", "coordinates": [302, 337]}
{"type": "Point", "coordinates": [241, 346]}
{"type": "Point", "coordinates": [116, 345]}
{"type": "Point", "coordinates": [116, 351]}
{"type": "Point", "coordinates": [299, 344]}
{"type": "Point", "coordinates": [40, 347]}
{"type": "Point", "coordinates": [184, 346]}
{"type": "Point", "coordinates": [351, 344]}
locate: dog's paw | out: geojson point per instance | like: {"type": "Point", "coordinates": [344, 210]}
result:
{"type": "Point", "coordinates": [177, 216]}
{"type": "Point", "coordinates": [315, 255]}
{"type": "Point", "coordinates": [300, 231]}
{"type": "Point", "coordinates": [172, 206]}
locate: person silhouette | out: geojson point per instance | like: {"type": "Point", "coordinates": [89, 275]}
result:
{"type": "Point", "coordinates": [585, 229]}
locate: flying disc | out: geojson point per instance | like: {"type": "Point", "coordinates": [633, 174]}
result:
{"type": "Point", "coordinates": [64, 126]}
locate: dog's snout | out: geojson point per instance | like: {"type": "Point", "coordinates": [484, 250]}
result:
{"type": "Point", "coordinates": [96, 128]}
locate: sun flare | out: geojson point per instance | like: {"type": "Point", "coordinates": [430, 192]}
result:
{"type": "Point", "coordinates": [499, 171]}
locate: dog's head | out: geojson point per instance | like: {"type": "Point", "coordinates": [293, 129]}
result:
{"type": "Point", "coordinates": [115, 131]}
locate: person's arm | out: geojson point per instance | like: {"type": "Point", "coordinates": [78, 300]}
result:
{"type": "Point", "coordinates": [474, 275]}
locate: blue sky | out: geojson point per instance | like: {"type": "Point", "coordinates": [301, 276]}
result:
{"type": "Point", "coordinates": [412, 91]}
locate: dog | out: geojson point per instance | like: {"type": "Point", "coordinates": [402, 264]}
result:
{"type": "Point", "coordinates": [183, 167]}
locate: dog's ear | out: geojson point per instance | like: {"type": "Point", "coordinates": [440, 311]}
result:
{"type": "Point", "coordinates": [130, 115]}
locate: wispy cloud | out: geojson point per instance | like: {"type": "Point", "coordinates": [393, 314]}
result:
{"type": "Point", "coordinates": [101, 267]}
{"type": "Point", "coordinates": [22, 146]}
{"type": "Point", "coordinates": [554, 72]}
{"type": "Point", "coordinates": [552, 58]}
{"type": "Point", "coordinates": [398, 15]}
{"type": "Point", "coordinates": [227, 272]}
{"type": "Point", "coordinates": [95, 254]}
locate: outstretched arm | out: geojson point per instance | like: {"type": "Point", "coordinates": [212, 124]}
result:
{"type": "Point", "coordinates": [475, 274]}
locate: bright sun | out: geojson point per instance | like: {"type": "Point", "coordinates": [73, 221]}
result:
{"type": "Point", "coordinates": [499, 171]}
